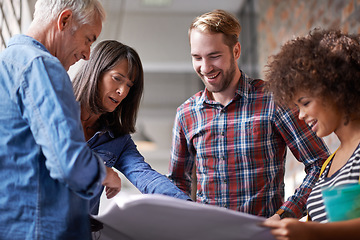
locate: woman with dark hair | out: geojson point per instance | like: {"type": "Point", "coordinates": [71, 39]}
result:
{"type": "Point", "coordinates": [109, 87]}
{"type": "Point", "coordinates": [320, 74]}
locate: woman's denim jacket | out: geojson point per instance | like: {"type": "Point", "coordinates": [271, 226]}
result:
{"type": "Point", "coordinates": [122, 154]}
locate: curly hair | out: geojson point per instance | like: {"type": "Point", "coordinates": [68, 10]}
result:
{"type": "Point", "coordinates": [325, 64]}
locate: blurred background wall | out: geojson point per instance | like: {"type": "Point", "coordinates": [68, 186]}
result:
{"type": "Point", "coordinates": [280, 21]}
{"type": "Point", "coordinates": [157, 29]}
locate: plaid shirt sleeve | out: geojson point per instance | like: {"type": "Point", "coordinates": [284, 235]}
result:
{"type": "Point", "coordinates": [307, 149]}
{"type": "Point", "coordinates": [182, 161]}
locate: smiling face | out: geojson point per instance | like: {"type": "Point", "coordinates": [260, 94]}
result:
{"type": "Point", "coordinates": [322, 116]}
{"type": "Point", "coordinates": [114, 86]}
{"type": "Point", "coordinates": [212, 59]}
{"type": "Point", "coordinates": [75, 44]}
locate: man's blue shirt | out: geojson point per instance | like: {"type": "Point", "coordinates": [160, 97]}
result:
{"type": "Point", "coordinates": [47, 171]}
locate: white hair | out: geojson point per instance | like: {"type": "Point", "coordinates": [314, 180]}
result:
{"type": "Point", "coordinates": [84, 11]}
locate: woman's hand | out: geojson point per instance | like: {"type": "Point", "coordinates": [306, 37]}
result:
{"type": "Point", "coordinates": [288, 229]}
{"type": "Point", "coordinates": [112, 183]}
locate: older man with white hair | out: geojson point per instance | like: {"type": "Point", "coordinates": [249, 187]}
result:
{"type": "Point", "coordinates": [47, 171]}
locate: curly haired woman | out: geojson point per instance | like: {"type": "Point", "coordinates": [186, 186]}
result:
{"type": "Point", "coordinates": [320, 74]}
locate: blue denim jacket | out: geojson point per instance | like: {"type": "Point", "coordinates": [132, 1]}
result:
{"type": "Point", "coordinates": [122, 154]}
{"type": "Point", "coordinates": [47, 171]}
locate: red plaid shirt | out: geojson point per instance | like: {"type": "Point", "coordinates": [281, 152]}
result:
{"type": "Point", "coordinates": [239, 150]}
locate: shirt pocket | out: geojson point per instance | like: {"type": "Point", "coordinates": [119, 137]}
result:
{"type": "Point", "coordinates": [109, 158]}
{"type": "Point", "coordinates": [253, 136]}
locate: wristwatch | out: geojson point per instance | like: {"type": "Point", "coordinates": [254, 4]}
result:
{"type": "Point", "coordinates": [284, 214]}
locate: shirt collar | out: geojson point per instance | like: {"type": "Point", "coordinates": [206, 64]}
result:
{"type": "Point", "coordinates": [245, 85]}
{"type": "Point", "coordinates": [21, 39]}
{"type": "Point", "coordinates": [105, 131]}
{"type": "Point", "coordinates": [99, 134]}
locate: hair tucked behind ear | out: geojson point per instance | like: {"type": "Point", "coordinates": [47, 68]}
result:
{"type": "Point", "coordinates": [105, 56]}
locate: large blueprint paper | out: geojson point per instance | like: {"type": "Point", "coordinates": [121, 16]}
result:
{"type": "Point", "coordinates": [142, 217]}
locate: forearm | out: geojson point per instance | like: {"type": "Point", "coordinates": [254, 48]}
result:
{"type": "Point", "coordinates": [336, 230]}
{"type": "Point", "coordinates": [147, 180]}
{"type": "Point", "coordinates": [292, 229]}
{"type": "Point", "coordinates": [160, 184]}
{"type": "Point", "coordinates": [296, 204]}
{"type": "Point", "coordinates": [144, 177]}
{"type": "Point", "coordinates": [305, 145]}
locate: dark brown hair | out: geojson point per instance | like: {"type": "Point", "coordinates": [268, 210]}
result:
{"type": "Point", "coordinates": [104, 57]}
{"type": "Point", "coordinates": [325, 64]}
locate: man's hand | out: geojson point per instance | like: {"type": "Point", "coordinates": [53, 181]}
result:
{"type": "Point", "coordinates": [112, 183]}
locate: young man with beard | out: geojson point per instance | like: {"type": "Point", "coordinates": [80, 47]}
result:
{"type": "Point", "coordinates": [233, 133]}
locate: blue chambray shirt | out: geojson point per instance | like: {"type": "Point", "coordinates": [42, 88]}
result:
{"type": "Point", "coordinates": [47, 171]}
{"type": "Point", "coordinates": [122, 154]}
